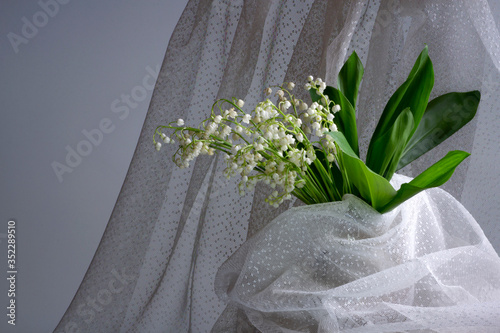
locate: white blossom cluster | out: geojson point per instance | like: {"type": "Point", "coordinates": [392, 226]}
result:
{"type": "Point", "coordinates": [273, 143]}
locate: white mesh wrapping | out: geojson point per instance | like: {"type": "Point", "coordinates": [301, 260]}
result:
{"type": "Point", "coordinates": [343, 267]}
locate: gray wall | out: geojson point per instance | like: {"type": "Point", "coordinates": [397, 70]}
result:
{"type": "Point", "coordinates": [70, 74]}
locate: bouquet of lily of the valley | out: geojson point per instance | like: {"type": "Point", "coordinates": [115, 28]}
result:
{"type": "Point", "coordinates": [310, 150]}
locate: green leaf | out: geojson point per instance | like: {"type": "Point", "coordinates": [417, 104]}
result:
{"type": "Point", "coordinates": [434, 176]}
{"type": "Point", "coordinates": [444, 116]}
{"type": "Point", "coordinates": [388, 149]}
{"type": "Point", "coordinates": [349, 78]}
{"type": "Point", "coordinates": [373, 188]}
{"type": "Point", "coordinates": [413, 93]}
{"type": "Point", "coordinates": [345, 119]}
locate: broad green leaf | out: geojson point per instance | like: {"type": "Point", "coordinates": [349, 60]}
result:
{"type": "Point", "coordinates": [374, 189]}
{"type": "Point", "coordinates": [444, 116]}
{"type": "Point", "coordinates": [413, 93]}
{"type": "Point", "coordinates": [345, 119]}
{"type": "Point", "coordinates": [436, 175]}
{"type": "Point", "coordinates": [388, 149]}
{"type": "Point", "coordinates": [350, 77]}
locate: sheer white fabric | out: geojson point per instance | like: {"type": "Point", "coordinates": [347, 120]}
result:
{"type": "Point", "coordinates": [343, 267]}
{"type": "Point", "coordinates": [170, 231]}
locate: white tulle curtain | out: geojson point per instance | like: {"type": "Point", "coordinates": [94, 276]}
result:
{"type": "Point", "coordinates": [171, 229]}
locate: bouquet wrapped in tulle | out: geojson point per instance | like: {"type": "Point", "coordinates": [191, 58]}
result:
{"type": "Point", "coordinates": [369, 253]}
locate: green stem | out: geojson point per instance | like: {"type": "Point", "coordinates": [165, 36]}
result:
{"type": "Point", "coordinates": [316, 183]}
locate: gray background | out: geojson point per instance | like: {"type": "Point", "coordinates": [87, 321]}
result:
{"type": "Point", "coordinates": [64, 79]}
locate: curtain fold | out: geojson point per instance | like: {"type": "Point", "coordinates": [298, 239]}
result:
{"type": "Point", "coordinates": [171, 229]}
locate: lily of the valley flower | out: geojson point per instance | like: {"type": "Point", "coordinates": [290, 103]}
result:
{"type": "Point", "coordinates": [272, 144]}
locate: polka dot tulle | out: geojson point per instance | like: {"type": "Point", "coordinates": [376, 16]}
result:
{"type": "Point", "coordinates": [343, 267]}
